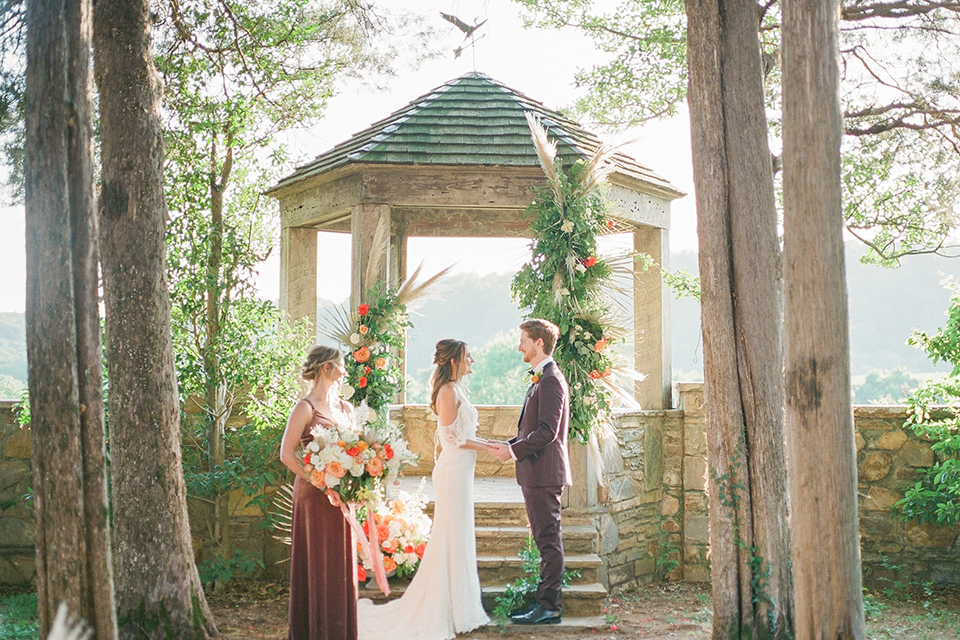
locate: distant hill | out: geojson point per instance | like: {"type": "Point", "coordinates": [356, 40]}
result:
{"type": "Point", "coordinates": [886, 305]}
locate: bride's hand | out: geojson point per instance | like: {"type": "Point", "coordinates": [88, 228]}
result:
{"type": "Point", "coordinates": [333, 497]}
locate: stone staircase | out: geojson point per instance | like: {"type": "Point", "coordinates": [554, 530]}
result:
{"type": "Point", "coordinates": [501, 529]}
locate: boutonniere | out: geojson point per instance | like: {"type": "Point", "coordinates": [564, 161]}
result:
{"type": "Point", "coordinates": [533, 376]}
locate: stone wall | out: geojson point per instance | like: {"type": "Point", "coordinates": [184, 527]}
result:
{"type": "Point", "coordinates": [16, 510]}
{"type": "Point", "coordinates": [651, 517]}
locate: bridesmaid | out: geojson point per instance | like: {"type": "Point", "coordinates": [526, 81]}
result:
{"type": "Point", "coordinates": [323, 587]}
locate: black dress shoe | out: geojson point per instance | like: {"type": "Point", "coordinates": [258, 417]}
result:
{"type": "Point", "coordinates": [538, 615]}
{"type": "Point", "coordinates": [522, 611]}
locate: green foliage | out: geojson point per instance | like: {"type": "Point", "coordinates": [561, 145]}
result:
{"type": "Point", "coordinates": [935, 414]}
{"type": "Point", "coordinates": [498, 372]}
{"type": "Point", "coordinates": [683, 283]}
{"type": "Point", "coordinates": [18, 616]}
{"type": "Point", "coordinates": [374, 332]}
{"type": "Point", "coordinates": [224, 569]}
{"type": "Point", "coordinates": [516, 593]}
{"type": "Point", "coordinates": [885, 387]}
{"type": "Point", "coordinates": [565, 283]}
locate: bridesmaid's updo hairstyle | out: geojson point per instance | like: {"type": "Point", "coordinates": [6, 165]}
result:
{"type": "Point", "coordinates": [448, 351]}
{"type": "Point", "coordinates": [321, 360]}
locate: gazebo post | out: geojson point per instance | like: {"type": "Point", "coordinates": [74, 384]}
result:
{"type": "Point", "coordinates": [651, 326]}
{"type": "Point", "coordinates": [364, 219]}
{"type": "Point", "coordinates": [397, 272]}
{"type": "Point", "coordinates": [298, 274]}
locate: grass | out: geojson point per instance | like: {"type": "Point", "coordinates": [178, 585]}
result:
{"type": "Point", "coordinates": [18, 616]}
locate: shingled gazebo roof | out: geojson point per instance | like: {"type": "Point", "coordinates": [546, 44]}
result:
{"type": "Point", "coordinates": [472, 120]}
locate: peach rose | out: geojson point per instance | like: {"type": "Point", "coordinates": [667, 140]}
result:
{"type": "Point", "coordinates": [316, 479]}
{"type": "Point", "coordinates": [381, 363]}
{"type": "Point", "coordinates": [389, 564]}
{"type": "Point", "coordinates": [375, 467]}
{"type": "Point", "coordinates": [362, 354]}
{"type": "Point", "coordinates": [390, 546]}
{"type": "Point", "coordinates": [336, 469]}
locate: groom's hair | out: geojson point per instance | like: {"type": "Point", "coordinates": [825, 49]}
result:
{"type": "Point", "coordinates": [540, 329]}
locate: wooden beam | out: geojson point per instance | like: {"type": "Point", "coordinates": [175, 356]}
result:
{"type": "Point", "coordinates": [298, 273]}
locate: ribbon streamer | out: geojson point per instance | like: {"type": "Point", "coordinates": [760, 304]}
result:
{"type": "Point", "coordinates": [369, 543]}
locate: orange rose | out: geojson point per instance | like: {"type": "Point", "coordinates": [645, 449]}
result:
{"type": "Point", "coordinates": [408, 548]}
{"type": "Point", "coordinates": [375, 467]}
{"type": "Point", "coordinates": [381, 363]}
{"type": "Point", "coordinates": [389, 564]}
{"type": "Point", "coordinates": [390, 546]}
{"type": "Point", "coordinates": [363, 329]}
{"type": "Point", "coordinates": [600, 346]}
{"type": "Point", "coordinates": [362, 382]}
{"type": "Point", "coordinates": [361, 574]}
{"type": "Point", "coordinates": [595, 375]}
{"type": "Point", "coordinates": [363, 309]}
{"type": "Point", "coordinates": [336, 469]}
{"type": "Point", "coordinates": [388, 452]}
{"type": "Point", "coordinates": [362, 446]}
{"type": "Point", "coordinates": [421, 547]}
{"type": "Point", "coordinates": [316, 479]}
{"type": "Point", "coordinates": [362, 354]}
{"type": "Point", "coordinates": [383, 532]}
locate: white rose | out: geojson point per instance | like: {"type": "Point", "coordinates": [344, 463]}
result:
{"type": "Point", "coordinates": [331, 480]}
{"type": "Point", "coordinates": [313, 446]}
{"type": "Point", "coordinates": [579, 267]}
{"type": "Point", "coordinates": [346, 392]}
{"type": "Point", "coordinates": [354, 338]}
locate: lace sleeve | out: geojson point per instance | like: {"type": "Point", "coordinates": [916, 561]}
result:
{"type": "Point", "coordinates": [452, 434]}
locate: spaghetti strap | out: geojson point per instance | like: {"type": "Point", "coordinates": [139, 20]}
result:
{"type": "Point", "coordinates": [313, 408]}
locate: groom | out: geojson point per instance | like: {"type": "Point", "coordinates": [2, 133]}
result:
{"type": "Point", "coordinates": [543, 469]}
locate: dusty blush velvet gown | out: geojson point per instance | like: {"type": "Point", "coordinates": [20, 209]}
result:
{"type": "Point", "coordinates": [323, 586]}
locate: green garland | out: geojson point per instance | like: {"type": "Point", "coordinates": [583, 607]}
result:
{"type": "Point", "coordinates": [565, 279]}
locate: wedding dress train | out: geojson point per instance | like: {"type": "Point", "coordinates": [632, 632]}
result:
{"type": "Point", "coordinates": [443, 599]}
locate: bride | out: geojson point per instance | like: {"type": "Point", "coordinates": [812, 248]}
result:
{"type": "Point", "coordinates": [443, 599]}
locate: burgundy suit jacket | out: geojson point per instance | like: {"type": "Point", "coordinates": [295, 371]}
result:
{"type": "Point", "coordinates": [541, 442]}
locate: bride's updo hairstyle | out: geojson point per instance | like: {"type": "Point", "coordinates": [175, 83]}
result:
{"type": "Point", "coordinates": [448, 351]}
{"type": "Point", "coordinates": [321, 360]}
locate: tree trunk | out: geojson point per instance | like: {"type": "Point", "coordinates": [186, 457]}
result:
{"type": "Point", "coordinates": [739, 271]}
{"type": "Point", "coordinates": [63, 327]}
{"type": "Point", "coordinates": [819, 417]}
{"type": "Point", "coordinates": [159, 593]}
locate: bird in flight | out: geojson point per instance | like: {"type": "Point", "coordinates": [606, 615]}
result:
{"type": "Point", "coordinates": [467, 29]}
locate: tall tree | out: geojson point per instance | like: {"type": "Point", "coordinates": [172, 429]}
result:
{"type": "Point", "coordinates": [740, 301]}
{"type": "Point", "coordinates": [159, 593]}
{"type": "Point", "coordinates": [819, 416]}
{"type": "Point", "coordinates": [63, 328]}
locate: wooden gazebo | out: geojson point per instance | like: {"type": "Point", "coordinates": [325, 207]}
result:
{"type": "Point", "coordinates": [459, 161]}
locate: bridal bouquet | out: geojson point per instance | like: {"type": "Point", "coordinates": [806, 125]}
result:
{"type": "Point", "coordinates": [402, 530]}
{"type": "Point", "coordinates": [350, 459]}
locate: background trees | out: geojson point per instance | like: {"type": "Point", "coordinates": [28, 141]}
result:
{"type": "Point", "coordinates": [899, 97]}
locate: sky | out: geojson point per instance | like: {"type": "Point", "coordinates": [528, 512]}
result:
{"type": "Point", "coordinates": [538, 63]}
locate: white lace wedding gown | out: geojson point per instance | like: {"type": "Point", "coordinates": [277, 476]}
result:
{"type": "Point", "coordinates": [443, 599]}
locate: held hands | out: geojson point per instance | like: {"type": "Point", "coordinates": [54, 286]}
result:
{"type": "Point", "coordinates": [501, 450]}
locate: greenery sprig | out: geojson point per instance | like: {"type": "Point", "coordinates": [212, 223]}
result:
{"type": "Point", "coordinates": [566, 280]}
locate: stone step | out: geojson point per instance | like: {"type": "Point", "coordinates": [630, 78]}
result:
{"type": "Point", "coordinates": [569, 624]}
{"type": "Point", "coordinates": [507, 514]}
{"type": "Point", "coordinates": [496, 570]}
{"type": "Point", "coordinates": [579, 600]}
{"type": "Point", "coordinates": [508, 540]}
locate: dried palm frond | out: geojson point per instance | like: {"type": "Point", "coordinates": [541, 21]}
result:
{"type": "Point", "coordinates": [557, 287]}
{"type": "Point", "coordinates": [66, 628]}
{"type": "Point", "coordinates": [376, 261]}
{"type": "Point", "coordinates": [547, 154]}
{"type": "Point", "coordinates": [283, 513]}
{"type": "Point", "coordinates": [609, 318]}
{"type": "Point", "coordinates": [411, 292]}
{"type": "Point", "coordinates": [339, 324]}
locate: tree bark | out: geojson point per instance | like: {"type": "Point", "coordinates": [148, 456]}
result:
{"type": "Point", "coordinates": [819, 417]}
{"type": "Point", "coordinates": [73, 553]}
{"type": "Point", "coordinates": [159, 593]}
{"type": "Point", "coordinates": [741, 311]}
